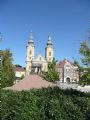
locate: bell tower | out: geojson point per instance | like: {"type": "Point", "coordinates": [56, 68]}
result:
{"type": "Point", "coordinates": [49, 52]}
{"type": "Point", "coordinates": [29, 54]}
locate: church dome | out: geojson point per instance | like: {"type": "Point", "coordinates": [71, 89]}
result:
{"type": "Point", "coordinates": [49, 40]}
{"type": "Point", "coordinates": [31, 39]}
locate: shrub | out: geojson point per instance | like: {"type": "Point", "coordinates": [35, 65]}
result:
{"type": "Point", "coordinates": [22, 77]}
{"type": "Point", "coordinates": [45, 104]}
{"type": "Point", "coordinates": [51, 75]}
{"type": "Point", "coordinates": [7, 74]}
{"type": "Point", "coordinates": [85, 78]}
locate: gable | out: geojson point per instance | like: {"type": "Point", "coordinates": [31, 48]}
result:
{"type": "Point", "coordinates": [40, 58]}
{"type": "Point", "coordinates": [68, 64]}
{"type": "Point", "coordinates": [65, 63]}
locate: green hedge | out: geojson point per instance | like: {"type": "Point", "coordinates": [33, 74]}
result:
{"type": "Point", "coordinates": [45, 104]}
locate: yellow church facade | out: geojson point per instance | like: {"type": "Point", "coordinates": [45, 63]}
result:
{"type": "Point", "coordinates": [36, 65]}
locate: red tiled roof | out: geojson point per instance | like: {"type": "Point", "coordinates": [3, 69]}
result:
{"type": "Point", "coordinates": [62, 63]}
{"type": "Point", "coordinates": [21, 69]}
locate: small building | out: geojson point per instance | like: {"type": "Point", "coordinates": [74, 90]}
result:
{"type": "Point", "coordinates": [19, 72]}
{"type": "Point", "coordinates": [68, 71]}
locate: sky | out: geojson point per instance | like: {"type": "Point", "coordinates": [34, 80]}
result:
{"type": "Point", "coordinates": [66, 20]}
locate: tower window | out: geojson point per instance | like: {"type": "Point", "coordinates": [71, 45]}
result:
{"type": "Point", "coordinates": [40, 58]}
{"type": "Point", "coordinates": [30, 52]}
{"type": "Point", "coordinates": [49, 53]}
{"type": "Point", "coordinates": [50, 59]}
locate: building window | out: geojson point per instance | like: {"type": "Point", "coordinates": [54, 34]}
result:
{"type": "Point", "coordinates": [49, 53]}
{"type": "Point", "coordinates": [40, 58]}
{"type": "Point", "coordinates": [50, 59]}
{"type": "Point", "coordinates": [30, 52]}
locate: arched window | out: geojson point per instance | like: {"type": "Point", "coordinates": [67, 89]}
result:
{"type": "Point", "coordinates": [50, 59]}
{"type": "Point", "coordinates": [40, 58]}
{"type": "Point", "coordinates": [68, 80]}
{"type": "Point", "coordinates": [30, 52]}
{"type": "Point", "coordinates": [49, 53]}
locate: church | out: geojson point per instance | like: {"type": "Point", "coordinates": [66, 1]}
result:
{"type": "Point", "coordinates": [36, 65]}
{"type": "Point", "coordinates": [68, 71]}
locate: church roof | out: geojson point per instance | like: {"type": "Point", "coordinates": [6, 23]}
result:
{"type": "Point", "coordinates": [49, 40]}
{"type": "Point", "coordinates": [19, 69]}
{"type": "Point", "coordinates": [61, 64]}
{"type": "Point", "coordinates": [31, 38]}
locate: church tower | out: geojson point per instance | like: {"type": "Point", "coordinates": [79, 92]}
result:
{"type": "Point", "coordinates": [49, 52]}
{"type": "Point", "coordinates": [30, 54]}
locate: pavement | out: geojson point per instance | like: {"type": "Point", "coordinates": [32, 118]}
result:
{"type": "Point", "coordinates": [36, 82]}
{"type": "Point", "coordinates": [85, 88]}
{"type": "Point", "coordinates": [30, 82]}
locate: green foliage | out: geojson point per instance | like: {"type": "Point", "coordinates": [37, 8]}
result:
{"type": "Point", "coordinates": [85, 78]}
{"type": "Point", "coordinates": [85, 52]}
{"type": "Point", "coordinates": [17, 65]}
{"type": "Point", "coordinates": [7, 70]}
{"type": "Point", "coordinates": [51, 75]}
{"type": "Point", "coordinates": [22, 77]}
{"type": "Point", "coordinates": [45, 104]}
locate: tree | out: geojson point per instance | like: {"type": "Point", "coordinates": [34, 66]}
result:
{"type": "Point", "coordinates": [51, 75]}
{"type": "Point", "coordinates": [85, 78]}
{"type": "Point", "coordinates": [85, 52]}
{"type": "Point", "coordinates": [17, 65]}
{"type": "Point", "coordinates": [80, 68]}
{"type": "Point", "coordinates": [7, 68]}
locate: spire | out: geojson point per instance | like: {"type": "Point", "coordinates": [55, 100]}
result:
{"type": "Point", "coordinates": [49, 43]}
{"type": "Point", "coordinates": [49, 37]}
{"type": "Point", "coordinates": [31, 38]}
